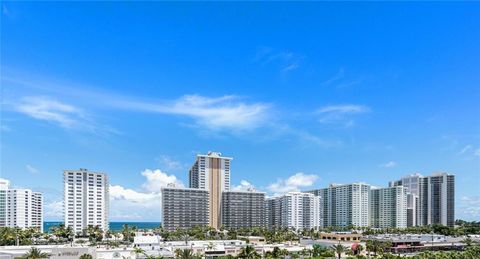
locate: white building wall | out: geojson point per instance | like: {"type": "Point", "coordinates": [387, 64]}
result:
{"type": "Point", "coordinates": [86, 199]}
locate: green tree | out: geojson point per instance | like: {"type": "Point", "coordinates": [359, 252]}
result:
{"type": "Point", "coordinates": [339, 249]}
{"type": "Point", "coordinates": [35, 253]}
{"type": "Point", "coordinates": [249, 252]}
{"type": "Point", "coordinates": [86, 256]}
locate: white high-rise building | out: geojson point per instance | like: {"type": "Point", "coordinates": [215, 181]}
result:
{"type": "Point", "coordinates": [24, 209]}
{"type": "Point", "coordinates": [388, 207]}
{"type": "Point", "coordinates": [345, 205]}
{"type": "Point", "coordinates": [4, 185]}
{"type": "Point", "coordinates": [212, 172]}
{"type": "Point", "coordinates": [295, 210]}
{"type": "Point", "coordinates": [433, 200]}
{"type": "Point", "coordinates": [86, 198]}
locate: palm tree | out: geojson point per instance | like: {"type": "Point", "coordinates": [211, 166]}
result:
{"type": "Point", "coordinates": [86, 256]}
{"type": "Point", "coordinates": [184, 254]}
{"type": "Point", "coordinates": [35, 253]}
{"type": "Point", "coordinates": [339, 249]}
{"type": "Point", "coordinates": [138, 250]}
{"type": "Point", "coordinates": [317, 250]}
{"type": "Point", "coordinates": [248, 252]}
{"type": "Point", "coordinates": [374, 246]}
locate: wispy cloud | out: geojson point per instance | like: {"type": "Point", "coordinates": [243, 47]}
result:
{"type": "Point", "coordinates": [337, 76]}
{"type": "Point", "coordinates": [477, 152]}
{"type": "Point", "coordinates": [389, 164]}
{"type": "Point", "coordinates": [293, 183]}
{"type": "Point", "coordinates": [340, 114]}
{"type": "Point", "coordinates": [286, 60]}
{"type": "Point", "coordinates": [31, 169]}
{"type": "Point", "coordinates": [465, 149]}
{"type": "Point", "coordinates": [51, 110]}
{"type": "Point", "coordinates": [169, 163]}
{"type": "Point", "coordinates": [59, 113]}
{"type": "Point", "coordinates": [470, 206]}
{"type": "Point", "coordinates": [216, 113]}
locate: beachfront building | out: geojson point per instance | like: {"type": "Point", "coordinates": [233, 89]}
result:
{"type": "Point", "coordinates": [243, 209]}
{"type": "Point", "coordinates": [24, 209]}
{"type": "Point", "coordinates": [4, 184]}
{"type": "Point", "coordinates": [183, 208]}
{"type": "Point", "coordinates": [344, 205]}
{"type": "Point", "coordinates": [211, 172]}
{"type": "Point", "coordinates": [435, 195]}
{"type": "Point", "coordinates": [86, 199]}
{"type": "Point", "coordinates": [388, 207]}
{"type": "Point", "coordinates": [294, 210]}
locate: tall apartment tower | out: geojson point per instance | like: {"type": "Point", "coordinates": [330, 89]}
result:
{"type": "Point", "coordinates": [243, 209]}
{"type": "Point", "coordinates": [295, 210]}
{"type": "Point", "coordinates": [183, 208]}
{"type": "Point", "coordinates": [388, 207]}
{"type": "Point", "coordinates": [86, 199]}
{"type": "Point", "coordinates": [412, 183]}
{"type": "Point", "coordinates": [24, 209]}
{"type": "Point", "coordinates": [4, 185]}
{"type": "Point", "coordinates": [437, 199]}
{"type": "Point", "coordinates": [433, 198]}
{"type": "Point", "coordinates": [343, 205]}
{"type": "Point", "coordinates": [212, 172]}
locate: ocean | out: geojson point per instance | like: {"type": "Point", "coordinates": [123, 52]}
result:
{"type": "Point", "coordinates": [114, 226]}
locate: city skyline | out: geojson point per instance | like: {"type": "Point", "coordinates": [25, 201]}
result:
{"type": "Point", "coordinates": [327, 97]}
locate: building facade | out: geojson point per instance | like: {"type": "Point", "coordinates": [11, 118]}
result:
{"type": "Point", "coordinates": [24, 209]}
{"type": "Point", "coordinates": [294, 210]}
{"type": "Point", "coordinates": [243, 209]}
{"type": "Point", "coordinates": [212, 172]}
{"type": "Point", "coordinates": [345, 205]}
{"type": "Point", "coordinates": [437, 199]}
{"type": "Point", "coordinates": [388, 207]}
{"type": "Point", "coordinates": [4, 185]}
{"type": "Point", "coordinates": [432, 200]}
{"type": "Point", "coordinates": [183, 208]}
{"type": "Point", "coordinates": [86, 199]}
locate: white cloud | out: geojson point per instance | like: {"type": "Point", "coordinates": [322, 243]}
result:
{"type": "Point", "coordinates": [226, 112]}
{"type": "Point", "coordinates": [144, 204]}
{"type": "Point", "coordinates": [168, 163]}
{"type": "Point", "coordinates": [293, 183]}
{"type": "Point", "coordinates": [389, 164]}
{"type": "Point", "coordinates": [477, 152]}
{"type": "Point", "coordinates": [54, 210]}
{"type": "Point", "coordinates": [470, 207]}
{"type": "Point", "coordinates": [156, 179]}
{"type": "Point", "coordinates": [31, 169]}
{"type": "Point", "coordinates": [340, 114]}
{"type": "Point", "coordinates": [465, 149]}
{"type": "Point", "coordinates": [244, 186]}
{"type": "Point", "coordinates": [339, 75]}
{"type": "Point", "coordinates": [286, 60]}
{"type": "Point", "coordinates": [48, 109]}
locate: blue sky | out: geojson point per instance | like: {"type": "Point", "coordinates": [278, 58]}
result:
{"type": "Point", "coordinates": [301, 95]}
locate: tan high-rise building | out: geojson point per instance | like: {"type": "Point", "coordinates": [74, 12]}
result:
{"type": "Point", "coordinates": [212, 172]}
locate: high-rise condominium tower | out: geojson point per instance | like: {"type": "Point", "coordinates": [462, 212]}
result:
{"type": "Point", "coordinates": [4, 184]}
{"type": "Point", "coordinates": [437, 199]}
{"type": "Point", "coordinates": [388, 207]}
{"type": "Point", "coordinates": [243, 209]}
{"type": "Point", "coordinates": [183, 208]}
{"type": "Point", "coordinates": [435, 195]}
{"type": "Point", "coordinates": [85, 199]}
{"type": "Point", "coordinates": [20, 208]}
{"type": "Point", "coordinates": [212, 172]}
{"type": "Point", "coordinates": [294, 210]}
{"type": "Point", "coordinates": [345, 204]}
